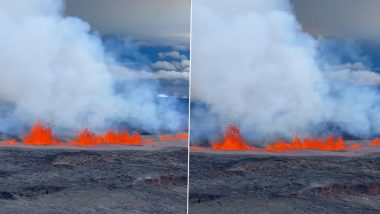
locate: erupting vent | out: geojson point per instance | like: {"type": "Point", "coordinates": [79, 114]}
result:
{"type": "Point", "coordinates": [42, 136]}
{"type": "Point", "coordinates": [329, 144]}
{"type": "Point", "coordinates": [86, 138]}
{"type": "Point", "coordinates": [232, 141]}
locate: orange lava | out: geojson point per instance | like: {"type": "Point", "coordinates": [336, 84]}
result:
{"type": "Point", "coordinates": [233, 141]}
{"type": "Point", "coordinates": [86, 138]}
{"type": "Point", "coordinates": [197, 148]}
{"type": "Point", "coordinates": [329, 144]}
{"type": "Point", "coordinates": [8, 143]}
{"type": "Point", "coordinates": [149, 141]}
{"type": "Point", "coordinates": [356, 146]}
{"type": "Point", "coordinates": [122, 138]}
{"type": "Point", "coordinates": [375, 142]}
{"type": "Point", "coordinates": [41, 136]}
{"type": "Point", "coordinates": [179, 136]}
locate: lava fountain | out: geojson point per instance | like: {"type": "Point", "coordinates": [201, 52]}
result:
{"type": "Point", "coordinates": [43, 136]}
{"type": "Point", "coordinates": [40, 136]}
{"type": "Point", "coordinates": [232, 141]}
{"type": "Point", "coordinates": [329, 144]}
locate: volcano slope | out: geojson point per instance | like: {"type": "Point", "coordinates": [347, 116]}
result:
{"type": "Point", "coordinates": [253, 183]}
{"type": "Point", "coordinates": [92, 181]}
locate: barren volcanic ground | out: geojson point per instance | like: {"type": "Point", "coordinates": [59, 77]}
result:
{"type": "Point", "coordinates": [254, 183]}
{"type": "Point", "coordinates": [96, 181]}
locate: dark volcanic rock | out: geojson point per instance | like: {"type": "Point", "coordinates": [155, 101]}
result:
{"type": "Point", "coordinates": [337, 189]}
{"type": "Point", "coordinates": [74, 181]}
{"type": "Point", "coordinates": [199, 197]}
{"type": "Point", "coordinates": [6, 196]}
{"type": "Point", "coordinates": [35, 191]}
{"type": "Point", "coordinates": [277, 184]}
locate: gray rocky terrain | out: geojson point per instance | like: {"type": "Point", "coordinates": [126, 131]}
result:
{"type": "Point", "coordinates": [96, 181]}
{"type": "Point", "coordinates": [238, 183]}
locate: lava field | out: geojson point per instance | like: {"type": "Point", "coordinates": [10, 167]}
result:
{"type": "Point", "coordinates": [79, 181]}
{"type": "Point", "coordinates": [254, 183]}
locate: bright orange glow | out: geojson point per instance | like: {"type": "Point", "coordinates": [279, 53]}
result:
{"type": "Point", "coordinates": [122, 138]}
{"type": "Point", "coordinates": [356, 146]}
{"type": "Point", "coordinates": [297, 143]}
{"type": "Point", "coordinates": [179, 136]}
{"type": "Point", "coordinates": [232, 141]}
{"type": "Point", "coordinates": [85, 138]}
{"type": "Point", "coordinates": [197, 148]}
{"type": "Point", "coordinates": [9, 142]}
{"type": "Point", "coordinates": [136, 138]}
{"type": "Point", "coordinates": [280, 146]}
{"type": "Point", "coordinates": [329, 144]}
{"type": "Point", "coordinates": [375, 142]}
{"type": "Point", "coordinates": [41, 136]}
{"type": "Point", "coordinates": [149, 141]}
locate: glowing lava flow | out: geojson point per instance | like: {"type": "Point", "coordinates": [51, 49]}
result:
{"type": "Point", "coordinates": [232, 141]}
{"type": "Point", "coordinates": [122, 138]}
{"type": "Point", "coordinates": [86, 138]}
{"type": "Point", "coordinates": [179, 136]}
{"type": "Point", "coordinates": [8, 143]}
{"type": "Point", "coordinates": [197, 148]}
{"type": "Point", "coordinates": [355, 146]}
{"type": "Point", "coordinates": [329, 144]}
{"type": "Point", "coordinates": [375, 142]}
{"type": "Point", "coordinates": [40, 136]}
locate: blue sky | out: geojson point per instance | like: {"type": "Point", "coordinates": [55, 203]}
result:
{"type": "Point", "coordinates": [164, 61]}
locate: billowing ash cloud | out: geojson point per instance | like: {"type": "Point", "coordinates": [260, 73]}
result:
{"type": "Point", "coordinates": [253, 65]}
{"type": "Point", "coordinates": [53, 69]}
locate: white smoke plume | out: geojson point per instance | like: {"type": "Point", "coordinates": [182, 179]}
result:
{"type": "Point", "coordinates": [253, 65]}
{"type": "Point", "coordinates": [53, 69]}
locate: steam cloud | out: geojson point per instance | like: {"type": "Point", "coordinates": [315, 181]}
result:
{"type": "Point", "coordinates": [253, 65]}
{"type": "Point", "coordinates": [53, 69]}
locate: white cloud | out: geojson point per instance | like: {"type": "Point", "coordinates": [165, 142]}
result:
{"type": "Point", "coordinates": [356, 74]}
{"type": "Point", "coordinates": [181, 48]}
{"type": "Point", "coordinates": [172, 54]}
{"type": "Point", "coordinates": [163, 65]}
{"type": "Point", "coordinates": [160, 74]}
{"type": "Point", "coordinates": [185, 65]}
{"type": "Point", "coordinates": [182, 64]}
